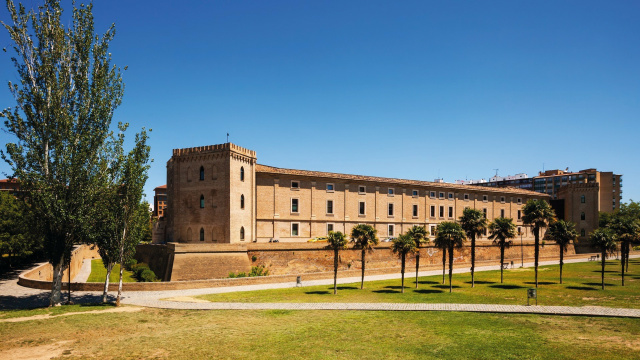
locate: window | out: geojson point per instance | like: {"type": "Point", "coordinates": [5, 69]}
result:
{"type": "Point", "coordinates": [201, 201]}
{"type": "Point", "coordinates": [519, 230]}
{"type": "Point", "coordinates": [362, 208]}
{"type": "Point", "coordinates": [441, 211]}
{"type": "Point", "coordinates": [501, 213]}
{"type": "Point", "coordinates": [466, 197]}
{"type": "Point", "coordinates": [201, 234]}
{"type": "Point", "coordinates": [450, 196]}
{"type": "Point", "coordinates": [450, 211]}
{"type": "Point", "coordinates": [414, 193]}
{"type": "Point", "coordinates": [582, 232]}
{"type": "Point", "coordinates": [242, 233]}
{"type": "Point", "coordinates": [391, 191]}
{"type": "Point", "coordinates": [433, 211]}
{"type": "Point", "coordinates": [415, 210]}
{"type": "Point", "coordinates": [519, 214]}
{"type": "Point", "coordinates": [241, 201]}
{"type": "Point", "coordinates": [294, 205]}
{"type": "Point", "coordinates": [329, 228]}
{"type": "Point", "coordinates": [582, 216]}
{"type": "Point", "coordinates": [441, 195]}
{"type": "Point", "coordinates": [330, 187]}
{"type": "Point", "coordinates": [295, 185]}
{"type": "Point", "coordinates": [390, 207]}
{"type": "Point", "coordinates": [583, 199]}
{"type": "Point", "coordinates": [295, 229]}
{"type": "Point", "coordinates": [390, 230]}
{"type": "Point", "coordinates": [433, 230]}
{"type": "Point", "coordinates": [329, 206]}
{"type": "Point", "coordinates": [432, 194]}
{"type": "Point", "coordinates": [485, 198]}
{"type": "Point", "coordinates": [484, 212]}
{"type": "Point", "coordinates": [362, 190]}
{"type": "Point", "coordinates": [242, 173]}
{"type": "Point", "coordinates": [201, 173]}
{"type": "Point", "coordinates": [502, 199]}
{"type": "Point", "coordinates": [519, 201]}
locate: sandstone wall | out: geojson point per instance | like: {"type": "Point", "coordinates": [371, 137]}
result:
{"type": "Point", "coordinates": [79, 253]}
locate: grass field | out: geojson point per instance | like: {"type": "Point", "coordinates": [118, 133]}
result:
{"type": "Point", "coordinates": [581, 286]}
{"type": "Point", "coordinates": [99, 273]}
{"type": "Point", "coordinates": [192, 334]}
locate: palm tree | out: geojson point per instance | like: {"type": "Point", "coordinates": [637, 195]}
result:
{"type": "Point", "coordinates": [604, 240]}
{"type": "Point", "coordinates": [403, 245]}
{"type": "Point", "coordinates": [449, 236]}
{"type": "Point", "coordinates": [537, 214]}
{"type": "Point", "coordinates": [502, 230]}
{"type": "Point", "coordinates": [474, 224]}
{"type": "Point", "coordinates": [419, 236]}
{"type": "Point", "coordinates": [563, 232]}
{"type": "Point", "coordinates": [364, 237]}
{"type": "Point", "coordinates": [626, 229]}
{"type": "Point", "coordinates": [336, 241]}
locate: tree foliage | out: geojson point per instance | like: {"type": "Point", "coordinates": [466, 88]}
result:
{"type": "Point", "coordinates": [17, 240]}
{"type": "Point", "coordinates": [501, 231]}
{"type": "Point", "coordinates": [563, 232]}
{"type": "Point", "coordinates": [419, 234]}
{"type": "Point", "coordinates": [403, 245]}
{"type": "Point", "coordinates": [449, 236]}
{"type": "Point", "coordinates": [364, 237]}
{"type": "Point", "coordinates": [336, 241]}
{"type": "Point", "coordinates": [474, 224]}
{"type": "Point", "coordinates": [538, 214]}
{"type": "Point", "coordinates": [604, 240]}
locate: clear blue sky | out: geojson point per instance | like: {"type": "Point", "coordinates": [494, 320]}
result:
{"type": "Point", "coordinates": [412, 89]}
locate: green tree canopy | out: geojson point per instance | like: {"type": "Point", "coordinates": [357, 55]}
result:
{"type": "Point", "coordinates": [364, 237]}
{"type": "Point", "coordinates": [538, 214]}
{"type": "Point", "coordinates": [474, 224]}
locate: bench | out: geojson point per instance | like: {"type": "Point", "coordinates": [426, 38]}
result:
{"type": "Point", "coordinates": [593, 258]}
{"type": "Point", "coordinates": [505, 266]}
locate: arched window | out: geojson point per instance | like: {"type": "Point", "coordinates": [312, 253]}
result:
{"type": "Point", "coordinates": [201, 201]}
{"type": "Point", "coordinates": [582, 216]}
{"type": "Point", "coordinates": [201, 173]}
{"type": "Point", "coordinates": [583, 199]}
{"type": "Point", "coordinates": [241, 201]}
{"type": "Point", "coordinates": [201, 234]}
{"type": "Point", "coordinates": [242, 233]}
{"type": "Point", "coordinates": [242, 173]}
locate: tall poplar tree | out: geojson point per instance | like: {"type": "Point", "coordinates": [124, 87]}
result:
{"type": "Point", "coordinates": [66, 94]}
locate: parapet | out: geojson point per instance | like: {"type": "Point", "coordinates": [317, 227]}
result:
{"type": "Point", "coordinates": [214, 148]}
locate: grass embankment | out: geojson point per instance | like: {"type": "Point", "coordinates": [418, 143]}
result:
{"type": "Point", "coordinates": [193, 334]}
{"type": "Point", "coordinates": [581, 286]}
{"type": "Point", "coordinates": [99, 273]}
{"type": "Point", "coordinates": [56, 310]}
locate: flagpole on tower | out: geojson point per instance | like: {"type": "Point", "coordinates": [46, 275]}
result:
{"type": "Point", "coordinates": [227, 137]}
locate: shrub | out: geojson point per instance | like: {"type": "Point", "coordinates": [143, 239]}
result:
{"type": "Point", "coordinates": [259, 271]}
{"type": "Point", "coordinates": [636, 247]}
{"type": "Point", "coordinates": [130, 264]}
{"type": "Point", "coordinates": [147, 276]}
{"type": "Point", "coordinates": [254, 258]}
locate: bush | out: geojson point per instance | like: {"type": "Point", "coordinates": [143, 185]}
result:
{"type": "Point", "coordinates": [636, 247]}
{"type": "Point", "coordinates": [254, 258]}
{"type": "Point", "coordinates": [130, 264]}
{"type": "Point", "coordinates": [259, 271]}
{"type": "Point", "coordinates": [147, 275]}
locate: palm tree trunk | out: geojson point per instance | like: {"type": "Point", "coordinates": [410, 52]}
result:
{"type": "Point", "coordinates": [604, 253]}
{"type": "Point", "coordinates": [417, 266]}
{"type": "Point", "coordinates": [444, 262]}
{"type": "Point", "coordinates": [335, 271]}
{"type": "Point", "coordinates": [622, 259]}
{"type": "Point", "coordinates": [536, 233]}
{"type": "Point", "coordinates": [501, 263]}
{"type": "Point", "coordinates": [450, 267]}
{"type": "Point", "coordinates": [362, 282]}
{"type": "Point", "coordinates": [561, 262]}
{"type": "Point", "coordinates": [626, 252]}
{"type": "Point", "coordinates": [403, 259]}
{"type": "Point", "coordinates": [473, 259]}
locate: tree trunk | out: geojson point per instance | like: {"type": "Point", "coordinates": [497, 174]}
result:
{"type": "Point", "coordinates": [335, 271]}
{"type": "Point", "coordinates": [450, 267]}
{"type": "Point", "coordinates": [622, 260]}
{"type": "Point", "coordinates": [124, 236]}
{"type": "Point", "coordinates": [362, 281]}
{"type": "Point", "coordinates": [473, 259]}
{"type": "Point", "coordinates": [604, 253]}
{"type": "Point", "coordinates": [536, 234]}
{"type": "Point", "coordinates": [402, 270]}
{"type": "Point", "coordinates": [501, 263]}
{"type": "Point", "coordinates": [444, 263]}
{"type": "Point", "coordinates": [561, 262]}
{"type": "Point", "coordinates": [627, 255]}
{"type": "Point", "coordinates": [417, 266]}
{"type": "Point", "coordinates": [56, 282]}
{"type": "Point", "coordinates": [106, 283]}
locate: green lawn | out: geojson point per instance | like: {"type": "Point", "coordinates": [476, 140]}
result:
{"type": "Point", "coordinates": [56, 310]}
{"type": "Point", "coordinates": [581, 286]}
{"type": "Point", "coordinates": [194, 334]}
{"type": "Point", "coordinates": [99, 273]}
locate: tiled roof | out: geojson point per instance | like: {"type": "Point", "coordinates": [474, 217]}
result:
{"type": "Point", "coordinates": [504, 190]}
{"type": "Point", "coordinates": [161, 187]}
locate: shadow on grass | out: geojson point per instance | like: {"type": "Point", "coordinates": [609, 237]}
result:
{"type": "Point", "coordinates": [347, 288]}
{"type": "Point", "coordinates": [446, 286]}
{"type": "Point", "coordinates": [540, 282]}
{"type": "Point", "coordinates": [507, 286]}
{"type": "Point", "coordinates": [427, 282]}
{"type": "Point", "coordinates": [580, 288]}
{"type": "Point", "coordinates": [606, 271]}
{"type": "Point", "coordinates": [319, 292]}
{"type": "Point", "coordinates": [481, 282]}
{"type": "Point", "coordinates": [599, 284]}
{"type": "Point", "coordinates": [428, 291]}
{"type": "Point", "coordinates": [394, 287]}
{"type": "Point", "coordinates": [386, 291]}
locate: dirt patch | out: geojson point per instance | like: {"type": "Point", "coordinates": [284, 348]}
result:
{"type": "Point", "coordinates": [186, 299]}
{"type": "Point", "coordinates": [41, 352]}
{"type": "Point", "coordinates": [48, 316]}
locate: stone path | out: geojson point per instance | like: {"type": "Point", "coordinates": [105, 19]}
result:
{"type": "Point", "coordinates": [83, 275]}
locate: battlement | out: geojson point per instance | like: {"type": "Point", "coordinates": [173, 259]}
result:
{"type": "Point", "coordinates": [214, 148]}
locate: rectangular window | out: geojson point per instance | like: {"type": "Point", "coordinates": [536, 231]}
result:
{"type": "Point", "coordinates": [362, 190]}
{"type": "Point", "coordinates": [441, 195]}
{"type": "Point", "coordinates": [329, 228]}
{"type": "Point", "coordinates": [519, 230]}
{"type": "Point", "coordinates": [362, 208]}
{"type": "Point", "coordinates": [391, 191]}
{"type": "Point", "coordinates": [390, 209]}
{"type": "Point", "coordinates": [583, 199]}
{"type": "Point", "coordinates": [329, 206]}
{"type": "Point", "coordinates": [433, 230]}
{"type": "Point", "coordinates": [485, 198]}
{"type": "Point", "coordinates": [450, 211]}
{"type": "Point", "coordinates": [330, 187]}
{"type": "Point", "coordinates": [295, 229]}
{"type": "Point", "coordinates": [501, 213]}
{"type": "Point", "coordinates": [390, 230]}
{"type": "Point", "coordinates": [466, 197]}
{"type": "Point", "coordinates": [484, 211]}
{"type": "Point", "coordinates": [433, 211]}
{"type": "Point", "coordinates": [414, 193]}
{"type": "Point", "coordinates": [432, 194]}
{"type": "Point", "coordinates": [415, 210]}
{"type": "Point", "coordinates": [450, 196]}
{"type": "Point", "coordinates": [441, 211]}
{"type": "Point", "coordinates": [294, 205]}
{"type": "Point", "coordinates": [295, 185]}
{"type": "Point", "coordinates": [519, 201]}
{"type": "Point", "coordinates": [519, 214]}
{"type": "Point", "coordinates": [502, 199]}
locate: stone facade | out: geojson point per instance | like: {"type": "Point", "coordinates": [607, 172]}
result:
{"type": "Point", "coordinates": [581, 204]}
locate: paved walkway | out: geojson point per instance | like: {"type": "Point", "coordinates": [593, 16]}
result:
{"type": "Point", "coordinates": [83, 275]}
